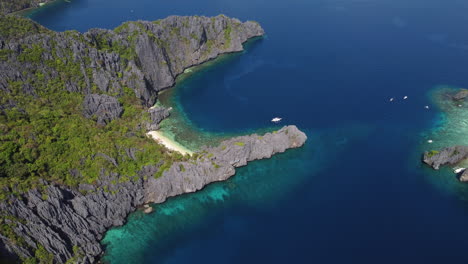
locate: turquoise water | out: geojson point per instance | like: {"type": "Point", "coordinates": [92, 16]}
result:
{"type": "Point", "coordinates": [357, 192]}
{"type": "Point", "coordinates": [449, 128]}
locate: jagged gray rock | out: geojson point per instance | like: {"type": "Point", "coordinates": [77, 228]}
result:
{"type": "Point", "coordinates": [446, 156]}
{"type": "Point", "coordinates": [63, 218]}
{"type": "Point", "coordinates": [103, 107]}
{"type": "Point", "coordinates": [220, 162]}
{"type": "Point", "coordinates": [140, 58]}
{"type": "Point", "coordinates": [157, 115]}
{"type": "Point", "coordinates": [143, 56]}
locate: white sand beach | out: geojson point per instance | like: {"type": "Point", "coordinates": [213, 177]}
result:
{"type": "Point", "coordinates": [168, 143]}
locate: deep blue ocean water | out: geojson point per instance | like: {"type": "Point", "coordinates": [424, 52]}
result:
{"type": "Point", "coordinates": [356, 193]}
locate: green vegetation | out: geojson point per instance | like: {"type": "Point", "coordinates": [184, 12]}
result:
{"type": "Point", "coordinates": [126, 52]}
{"type": "Point", "coordinates": [216, 166]}
{"type": "Point", "coordinates": [7, 224]}
{"type": "Point", "coordinates": [33, 54]}
{"type": "Point", "coordinates": [43, 255]}
{"type": "Point", "coordinates": [432, 153]}
{"type": "Point", "coordinates": [181, 167]}
{"type": "Point", "coordinates": [12, 27]}
{"type": "Point", "coordinates": [4, 54]}
{"type": "Point", "coordinates": [43, 135]}
{"type": "Point", "coordinates": [209, 47]}
{"type": "Point", "coordinates": [195, 37]}
{"type": "Point", "coordinates": [239, 144]}
{"type": "Point", "coordinates": [227, 36]}
{"type": "Point", "coordinates": [77, 255]}
{"type": "Point", "coordinates": [175, 31]}
{"type": "Point", "coordinates": [48, 136]}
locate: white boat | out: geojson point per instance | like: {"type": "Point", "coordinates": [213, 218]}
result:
{"type": "Point", "coordinates": [391, 100]}
{"type": "Point", "coordinates": [276, 119]}
{"type": "Point", "coordinates": [427, 107]}
{"type": "Point", "coordinates": [430, 141]}
{"type": "Point", "coordinates": [405, 97]}
{"type": "Point", "coordinates": [458, 170]}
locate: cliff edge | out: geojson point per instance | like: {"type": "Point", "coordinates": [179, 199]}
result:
{"type": "Point", "coordinates": [74, 156]}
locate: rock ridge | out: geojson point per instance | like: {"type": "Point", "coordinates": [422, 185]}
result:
{"type": "Point", "coordinates": [60, 219]}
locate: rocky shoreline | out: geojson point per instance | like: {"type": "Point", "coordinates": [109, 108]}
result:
{"type": "Point", "coordinates": [106, 67]}
{"type": "Point", "coordinates": [70, 224]}
{"type": "Point", "coordinates": [452, 155]}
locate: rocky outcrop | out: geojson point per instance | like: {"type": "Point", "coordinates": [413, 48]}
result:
{"type": "Point", "coordinates": [157, 114]}
{"type": "Point", "coordinates": [460, 95]}
{"type": "Point", "coordinates": [219, 163]}
{"type": "Point", "coordinates": [144, 56]}
{"type": "Point", "coordinates": [103, 108]}
{"type": "Point", "coordinates": [60, 218]}
{"type": "Point", "coordinates": [446, 156]}
{"type": "Point", "coordinates": [106, 67]}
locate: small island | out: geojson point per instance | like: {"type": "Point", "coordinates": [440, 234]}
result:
{"type": "Point", "coordinates": [75, 113]}
{"type": "Point", "coordinates": [451, 101]}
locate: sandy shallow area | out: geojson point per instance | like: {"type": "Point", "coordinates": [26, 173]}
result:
{"type": "Point", "coordinates": [168, 143]}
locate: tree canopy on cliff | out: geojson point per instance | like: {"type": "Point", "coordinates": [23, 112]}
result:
{"type": "Point", "coordinates": [43, 133]}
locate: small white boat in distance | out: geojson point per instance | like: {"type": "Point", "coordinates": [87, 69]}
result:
{"type": "Point", "coordinates": [458, 170]}
{"type": "Point", "coordinates": [391, 99]}
{"type": "Point", "coordinates": [405, 97]}
{"type": "Point", "coordinates": [430, 141]}
{"type": "Point", "coordinates": [276, 119]}
{"type": "Point", "coordinates": [427, 107]}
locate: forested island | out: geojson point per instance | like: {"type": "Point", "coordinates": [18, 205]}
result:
{"type": "Point", "coordinates": [75, 108]}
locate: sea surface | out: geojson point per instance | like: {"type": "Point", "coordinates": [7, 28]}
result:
{"type": "Point", "coordinates": [357, 191]}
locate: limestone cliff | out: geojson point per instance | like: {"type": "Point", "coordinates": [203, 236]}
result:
{"type": "Point", "coordinates": [70, 223]}
{"type": "Point", "coordinates": [143, 56]}
{"type": "Point", "coordinates": [80, 88]}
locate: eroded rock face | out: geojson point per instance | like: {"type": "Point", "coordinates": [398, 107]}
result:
{"type": "Point", "coordinates": [157, 115]}
{"type": "Point", "coordinates": [60, 218]}
{"type": "Point", "coordinates": [220, 162]}
{"type": "Point", "coordinates": [446, 156]}
{"type": "Point", "coordinates": [143, 56]}
{"type": "Point", "coordinates": [103, 108]}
